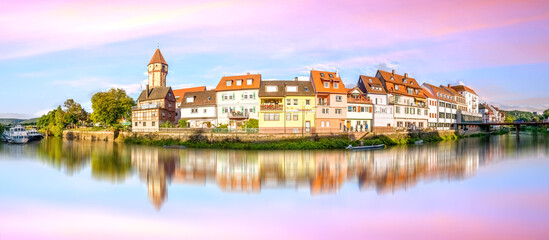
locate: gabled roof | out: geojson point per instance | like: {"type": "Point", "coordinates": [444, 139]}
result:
{"type": "Point", "coordinates": [391, 82]}
{"type": "Point", "coordinates": [351, 90]}
{"type": "Point", "coordinates": [158, 58]}
{"type": "Point", "coordinates": [304, 88]}
{"type": "Point", "coordinates": [428, 94]}
{"type": "Point", "coordinates": [318, 80]}
{"type": "Point", "coordinates": [371, 84]}
{"type": "Point", "coordinates": [155, 93]}
{"type": "Point", "coordinates": [200, 98]}
{"type": "Point", "coordinates": [439, 90]}
{"type": "Point", "coordinates": [180, 93]}
{"type": "Point", "coordinates": [463, 88]}
{"type": "Point", "coordinates": [222, 85]}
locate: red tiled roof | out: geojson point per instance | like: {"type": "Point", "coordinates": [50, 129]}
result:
{"type": "Point", "coordinates": [440, 90]}
{"type": "Point", "coordinates": [158, 58]}
{"type": "Point", "coordinates": [462, 88]}
{"type": "Point", "coordinates": [370, 82]}
{"type": "Point", "coordinates": [222, 85]}
{"type": "Point", "coordinates": [391, 81]}
{"type": "Point", "coordinates": [428, 94]}
{"type": "Point", "coordinates": [318, 81]}
{"type": "Point", "coordinates": [180, 93]}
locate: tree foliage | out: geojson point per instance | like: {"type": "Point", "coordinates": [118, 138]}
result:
{"type": "Point", "coordinates": [56, 120]}
{"type": "Point", "coordinates": [511, 116]}
{"type": "Point", "coordinates": [111, 106]}
{"type": "Point", "coordinates": [167, 124]}
{"type": "Point", "coordinates": [182, 123]}
{"type": "Point", "coordinates": [74, 113]}
{"type": "Point", "coordinates": [546, 114]}
{"type": "Point", "coordinates": [252, 123]}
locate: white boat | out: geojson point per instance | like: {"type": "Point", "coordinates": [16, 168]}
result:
{"type": "Point", "coordinates": [371, 147]}
{"type": "Point", "coordinates": [17, 134]}
{"type": "Point", "coordinates": [33, 134]}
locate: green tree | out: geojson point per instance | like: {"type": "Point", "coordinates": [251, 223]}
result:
{"type": "Point", "coordinates": [182, 123]}
{"type": "Point", "coordinates": [111, 106]}
{"type": "Point", "coordinates": [167, 124]}
{"type": "Point", "coordinates": [546, 114]}
{"type": "Point", "coordinates": [1, 128]}
{"type": "Point", "coordinates": [252, 123]}
{"type": "Point", "coordinates": [75, 114]}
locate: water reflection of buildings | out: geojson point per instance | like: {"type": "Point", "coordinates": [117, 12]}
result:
{"type": "Point", "coordinates": [321, 172]}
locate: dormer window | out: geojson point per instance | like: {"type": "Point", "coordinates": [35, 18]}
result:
{"type": "Point", "coordinates": [392, 78]}
{"type": "Point", "coordinates": [271, 89]}
{"type": "Point", "coordinates": [209, 98]}
{"type": "Point", "coordinates": [396, 87]}
{"type": "Point", "coordinates": [306, 89]}
{"type": "Point", "coordinates": [370, 80]}
{"type": "Point", "coordinates": [336, 85]}
{"type": "Point", "coordinates": [321, 74]}
{"type": "Point", "coordinates": [326, 85]}
{"type": "Point", "coordinates": [239, 82]}
{"type": "Point", "coordinates": [405, 81]}
{"type": "Point", "coordinates": [331, 75]}
{"type": "Point", "coordinates": [229, 83]}
{"type": "Point", "coordinates": [249, 81]}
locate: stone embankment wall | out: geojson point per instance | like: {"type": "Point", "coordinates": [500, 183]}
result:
{"type": "Point", "coordinates": [243, 137]}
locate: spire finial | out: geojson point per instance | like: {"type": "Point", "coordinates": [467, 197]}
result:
{"type": "Point", "coordinates": [157, 44]}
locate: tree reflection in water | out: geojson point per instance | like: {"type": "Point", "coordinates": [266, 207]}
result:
{"type": "Point", "coordinates": [320, 172]}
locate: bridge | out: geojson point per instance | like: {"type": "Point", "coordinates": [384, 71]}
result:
{"type": "Point", "coordinates": [486, 126]}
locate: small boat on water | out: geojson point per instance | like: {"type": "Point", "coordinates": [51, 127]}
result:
{"type": "Point", "coordinates": [174, 146]}
{"type": "Point", "coordinates": [418, 142]}
{"type": "Point", "coordinates": [33, 134]}
{"type": "Point", "coordinates": [17, 134]}
{"type": "Point", "coordinates": [371, 147]}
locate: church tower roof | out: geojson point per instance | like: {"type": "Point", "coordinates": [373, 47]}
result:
{"type": "Point", "coordinates": [158, 58]}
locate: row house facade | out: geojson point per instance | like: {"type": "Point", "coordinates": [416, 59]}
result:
{"type": "Point", "coordinates": [382, 119]}
{"type": "Point", "coordinates": [287, 107]}
{"type": "Point", "coordinates": [199, 109]}
{"type": "Point", "coordinates": [359, 111]}
{"type": "Point", "coordinates": [471, 112]}
{"type": "Point", "coordinates": [156, 104]}
{"type": "Point", "coordinates": [237, 99]}
{"type": "Point", "coordinates": [442, 107]}
{"type": "Point", "coordinates": [331, 104]}
{"type": "Point", "coordinates": [407, 98]}
{"type": "Point", "coordinates": [180, 95]}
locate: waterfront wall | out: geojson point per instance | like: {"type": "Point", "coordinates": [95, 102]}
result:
{"type": "Point", "coordinates": [243, 137]}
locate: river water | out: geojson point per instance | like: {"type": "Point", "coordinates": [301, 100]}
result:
{"type": "Point", "coordinates": [478, 188]}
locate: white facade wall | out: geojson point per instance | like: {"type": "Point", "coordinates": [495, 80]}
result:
{"type": "Point", "coordinates": [407, 113]}
{"type": "Point", "coordinates": [197, 116]}
{"type": "Point", "coordinates": [360, 121]}
{"type": "Point", "coordinates": [383, 113]}
{"type": "Point", "coordinates": [239, 100]}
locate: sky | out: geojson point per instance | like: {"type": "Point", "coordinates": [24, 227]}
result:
{"type": "Point", "coordinates": [55, 50]}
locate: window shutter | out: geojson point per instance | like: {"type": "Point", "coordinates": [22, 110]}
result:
{"type": "Point", "coordinates": [254, 109]}
{"type": "Point", "coordinates": [242, 96]}
{"type": "Point", "coordinates": [233, 97]}
{"type": "Point", "coordinates": [254, 95]}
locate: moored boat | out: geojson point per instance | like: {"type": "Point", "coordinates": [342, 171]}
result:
{"type": "Point", "coordinates": [17, 134]}
{"type": "Point", "coordinates": [371, 147]}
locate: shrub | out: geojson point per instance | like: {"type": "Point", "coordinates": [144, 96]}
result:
{"type": "Point", "coordinates": [182, 123]}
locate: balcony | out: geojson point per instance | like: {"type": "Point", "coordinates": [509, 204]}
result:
{"type": "Point", "coordinates": [359, 100]}
{"type": "Point", "coordinates": [271, 107]}
{"type": "Point", "coordinates": [394, 101]}
{"type": "Point", "coordinates": [237, 115]}
{"type": "Point", "coordinates": [147, 106]}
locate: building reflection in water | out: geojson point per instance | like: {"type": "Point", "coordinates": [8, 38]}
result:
{"type": "Point", "coordinates": [320, 172]}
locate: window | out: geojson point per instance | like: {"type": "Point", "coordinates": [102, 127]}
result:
{"type": "Point", "coordinates": [349, 109]}
{"type": "Point", "coordinates": [296, 117]}
{"type": "Point", "coordinates": [327, 123]}
{"type": "Point", "coordinates": [397, 87]}
{"type": "Point", "coordinates": [322, 123]}
{"type": "Point", "coordinates": [205, 110]}
{"type": "Point", "coordinates": [249, 81]}
{"type": "Point", "coordinates": [440, 115]}
{"type": "Point", "coordinates": [224, 110]}
{"type": "Point", "coordinates": [397, 109]}
{"type": "Point", "coordinates": [306, 89]}
{"type": "Point", "coordinates": [295, 102]}
{"type": "Point", "coordinates": [326, 85]}
{"type": "Point", "coordinates": [229, 83]}
{"type": "Point", "coordinates": [153, 123]}
{"type": "Point", "coordinates": [163, 114]}
{"type": "Point", "coordinates": [362, 109]}
{"type": "Point", "coordinates": [144, 124]}
{"type": "Point", "coordinates": [190, 99]}
{"type": "Point", "coordinates": [370, 80]}
{"type": "Point", "coordinates": [291, 88]}
{"type": "Point", "coordinates": [405, 81]}
{"type": "Point", "coordinates": [194, 110]}
{"type": "Point", "coordinates": [169, 105]}
{"type": "Point", "coordinates": [239, 82]}
{"type": "Point", "coordinates": [308, 102]}
{"type": "Point", "coordinates": [288, 117]}
{"type": "Point", "coordinates": [271, 89]}
{"type": "Point", "coordinates": [338, 98]}
{"type": "Point", "coordinates": [325, 110]}
{"type": "Point", "coordinates": [336, 85]}
{"type": "Point", "coordinates": [272, 116]}
{"type": "Point", "coordinates": [338, 111]}
{"type": "Point", "coordinates": [331, 75]}
{"type": "Point", "coordinates": [288, 102]}
{"type": "Point", "coordinates": [136, 124]}
{"type": "Point", "coordinates": [321, 74]}
{"type": "Point", "coordinates": [425, 112]}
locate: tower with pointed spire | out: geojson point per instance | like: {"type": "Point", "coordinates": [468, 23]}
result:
{"type": "Point", "coordinates": [157, 70]}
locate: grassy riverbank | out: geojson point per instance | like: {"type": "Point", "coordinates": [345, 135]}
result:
{"type": "Point", "coordinates": [297, 144]}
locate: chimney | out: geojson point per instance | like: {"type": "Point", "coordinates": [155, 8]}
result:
{"type": "Point", "coordinates": [393, 72]}
{"type": "Point", "coordinates": [337, 73]}
{"type": "Point", "coordinates": [247, 73]}
{"type": "Point", "coordinates": [147, 94]}
{"type": "Point", "coordinates": [405, 75]}
{"type": "Point", "coordinates": [448, 85]}
{"type": "Point", "coordinates": [296, 78]}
